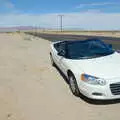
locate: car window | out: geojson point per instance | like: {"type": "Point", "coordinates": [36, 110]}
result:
{"type": "Point", "coordinates": [56, 46]}
{"type": "Point", "coordinates": [60, 46]}
{"type": "Point", "coordinates": [88, 49]}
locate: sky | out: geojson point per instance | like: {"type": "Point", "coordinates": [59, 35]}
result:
{"type": "Point", "coordinates": [77, 14]}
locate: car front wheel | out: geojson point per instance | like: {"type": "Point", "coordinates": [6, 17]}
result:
{"type": "Point", "coordinates": [73, 85]}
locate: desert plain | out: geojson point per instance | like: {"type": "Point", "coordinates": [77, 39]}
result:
{"type": "Point", "coordinates": [31, 89]}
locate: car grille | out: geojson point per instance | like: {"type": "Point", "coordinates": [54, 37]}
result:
{"type": "Point", "coordinates": [115, 88]}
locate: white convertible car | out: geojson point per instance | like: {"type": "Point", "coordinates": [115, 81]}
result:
{"type": "Point", "coordinates": [91, 66]}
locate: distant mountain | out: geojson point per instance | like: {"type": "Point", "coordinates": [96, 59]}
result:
{"type": "Point", "coordinates": [16, 28]}
{"type": "Point", "coordinates": [24, 28]}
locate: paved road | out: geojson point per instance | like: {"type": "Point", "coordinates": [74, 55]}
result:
{"type": "Point", "coordinates": [56, 37]}
{"type": "Point", "coordinates": [31, 89]}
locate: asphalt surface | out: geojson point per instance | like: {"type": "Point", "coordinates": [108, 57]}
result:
{"type": "Point", "coordinates": [57, 37]}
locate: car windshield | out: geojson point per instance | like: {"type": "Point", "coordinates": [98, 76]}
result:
{"type": "Point", "coordinates": [88, 49]}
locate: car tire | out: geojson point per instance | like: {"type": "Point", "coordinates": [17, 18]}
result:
{"type": "Point", "coordinates": [52, 61]}
{"type": "Point", "coordinates": [73, 85]}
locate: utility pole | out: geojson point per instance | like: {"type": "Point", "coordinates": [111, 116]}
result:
{"type": "Point", "coordinates": [61, 22]}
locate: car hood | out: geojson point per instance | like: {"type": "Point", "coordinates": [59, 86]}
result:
{"type": "Point", "coordinates": [103, 67]}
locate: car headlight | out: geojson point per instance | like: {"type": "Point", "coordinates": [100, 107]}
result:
{"type": "Point", "coordinates": [92, 80]}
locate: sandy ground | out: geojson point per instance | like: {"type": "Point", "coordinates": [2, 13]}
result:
{"type": "Point", "coordinates": [30, 89]}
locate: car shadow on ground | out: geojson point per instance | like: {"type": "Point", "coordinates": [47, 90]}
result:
{"type": "Point", "coordinates": [90, 101]}
{"type": "Point", "coordinates": [99, 102]}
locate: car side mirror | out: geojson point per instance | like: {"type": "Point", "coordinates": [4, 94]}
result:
{"type": "Point", "coordinates": [61, 53]}
{"type": "Point", "coordinates": [118, 51]}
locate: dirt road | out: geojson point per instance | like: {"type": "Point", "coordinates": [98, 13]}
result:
{"type": "Point", "coordinates": [30, 89]}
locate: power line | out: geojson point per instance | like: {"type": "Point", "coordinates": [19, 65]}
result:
{"type": "Point", "coordinates": [61, 22]}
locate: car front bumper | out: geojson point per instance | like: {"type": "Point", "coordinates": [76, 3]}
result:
{"type": "Point", "coordinates": [98, 92]}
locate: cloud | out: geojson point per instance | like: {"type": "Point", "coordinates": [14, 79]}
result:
{"type": "Point", "coordinates": [93, 11]}
{"type": "Point", "coordinates": [6, 3]}
{"type": "Point", "coordinates": [6, 6]}
{"type": "Point", "coordinates": [9, 4]}
{"type": "Point", "coordinates": [97, 4]}
{"type": "Point", "coordinates": [88, 20]}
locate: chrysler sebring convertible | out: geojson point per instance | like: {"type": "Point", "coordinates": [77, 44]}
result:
{"type": "Point", "coordinates": [91, 66]}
